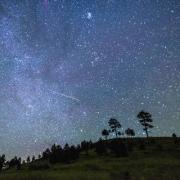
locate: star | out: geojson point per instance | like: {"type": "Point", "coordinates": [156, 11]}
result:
{"type": "Point", "coordinates": [89, 15]}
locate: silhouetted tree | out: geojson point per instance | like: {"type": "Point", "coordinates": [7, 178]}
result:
{"type": "Point", "coordinates": [53, 154]}
{"type": "Point", "coordinates": [39, 156]}
{"type": "Point", "coordinates": [85, 146]}
{"type": "Point", "coordinates": [59, 152]}
{"type": "Point", "coordinates": [13, 162]}
{"type": "Point", "coordinates": [100, 147]}
{"type": "Point", "coordinates": [2, 161]}
{"type": "Point", "coordinates": [130, 132]}
{"type": "Point", "coordinates": [46, 154]}
{"type": "Point", "coordinates": [90, 144]}
{"type": "Point", "coordinates": [118, 148]}
{"type": "Point", "coordinates": [56, 154]}
{"type": "Point", "coordinates": [120, 133]}
{"type": "Point", "coordinates": [6, 165]}
{"type": "Point", "coordinates": [78, 147]}
{"type": "Point", "coordinates": [66, 154]}
{"type": "Point", "coordinates": [145, 119]}
{"type": "Point", "coordinates": [114, 125]}
{"type": "Point", "coordinates": [105, 133]}
{"type": "Point", "coordinates": [23, 162]}
{"type": "Point", "coordinates": [33, 158]}
{"type": "Point", "coordinates": [28, 160]}
{"type": "Point", "coordinates": [174, 136]}
{"type": "Point", "coordinates": [19, 164]}
{"type": "Point", "coordinates": [74, 153]}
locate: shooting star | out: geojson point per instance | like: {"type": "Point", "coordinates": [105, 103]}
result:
{"type": "Point", "coordinates": [66, 96]}
{"type": "Point", "coordinates": [70, 97]}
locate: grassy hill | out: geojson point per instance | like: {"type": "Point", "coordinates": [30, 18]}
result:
{"type": "Point", "coordinates": [159, 159]}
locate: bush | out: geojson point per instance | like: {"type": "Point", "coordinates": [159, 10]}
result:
{"type": "Point", "coordinates": [118, 148]}
{"type": "Point", "coordinates": [100, 148]}
{"type": "Point", "coordinates": [66, 155]}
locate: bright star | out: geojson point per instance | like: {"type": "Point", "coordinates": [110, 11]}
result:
{"type": "Point", "coordinates": [89, 15]}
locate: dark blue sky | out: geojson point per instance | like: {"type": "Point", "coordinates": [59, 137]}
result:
{"type": "Point", "coordinates": [66, 67]}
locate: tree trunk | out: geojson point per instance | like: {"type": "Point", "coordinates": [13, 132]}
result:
{"type": "Point", "coordinates": [147, 135]}
{"type": "Point", "coordinates": [116, 132]}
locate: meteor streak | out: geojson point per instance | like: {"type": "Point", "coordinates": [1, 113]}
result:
{"type": "Point", "coordinates": [70, 97]}
{"type": "Point", "coordinates": [66, 96]}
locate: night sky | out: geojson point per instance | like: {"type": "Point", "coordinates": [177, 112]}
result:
{"type": "Point", "coordinates": [67, 66]}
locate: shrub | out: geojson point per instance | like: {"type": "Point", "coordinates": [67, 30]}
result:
{"type": "Point", "coordinates": [100, 148]}
{"type": "Point", "coordinates": [118, 149]}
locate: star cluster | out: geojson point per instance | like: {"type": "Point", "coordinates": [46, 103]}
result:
{"type": "Point", "coordinates": [66, 67]}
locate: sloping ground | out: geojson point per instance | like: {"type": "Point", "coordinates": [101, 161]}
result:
{"type": "Point", "coordinates": [160, 160]}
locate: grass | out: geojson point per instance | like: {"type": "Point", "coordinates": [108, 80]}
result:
{"type": "Point", "coordinates": [152, 163]}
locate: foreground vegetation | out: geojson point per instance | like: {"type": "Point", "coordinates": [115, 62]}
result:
{"type": "Point", "coordinates": [119, 158]}
{"type": "Point", "coordinates": [155, 158]}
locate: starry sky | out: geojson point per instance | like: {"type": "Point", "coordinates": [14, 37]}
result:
{"type": "Point", "coordinates": [67, 66]}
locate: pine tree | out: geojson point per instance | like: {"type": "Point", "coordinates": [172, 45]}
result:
{"type": "Point", "coordinates": [145, 119]}
{"type": "Point", "coordinates": [114, 125]}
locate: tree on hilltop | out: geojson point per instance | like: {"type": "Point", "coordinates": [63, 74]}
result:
{"type": "Point", "coordinates": [114, 125]}
{"type": "Point", "coordinates": [145, 119]}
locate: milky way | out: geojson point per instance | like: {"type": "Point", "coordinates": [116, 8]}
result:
{"type": "Point", "coordinates": [66, 67]}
